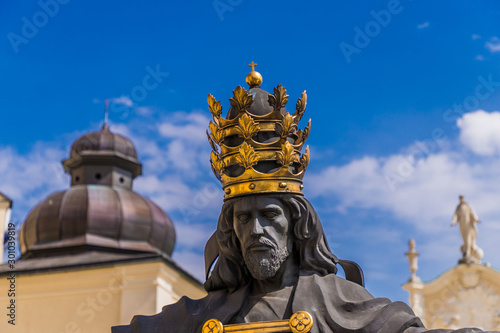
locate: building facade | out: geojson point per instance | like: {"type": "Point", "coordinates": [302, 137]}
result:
{"type": "Point", "coordinates": [95, 255]}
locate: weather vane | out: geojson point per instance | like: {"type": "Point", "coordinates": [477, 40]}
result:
{"type": "Point", "coordinates": [106, 112]}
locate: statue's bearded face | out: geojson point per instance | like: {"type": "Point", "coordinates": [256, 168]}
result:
{"type": "Point", "coordinates": [262, 226]}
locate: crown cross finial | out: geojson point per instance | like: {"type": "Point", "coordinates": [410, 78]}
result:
{"type": "Point", "coordinates": [252, 64]}
{"type": "Point", "coordinates": [253, 78]}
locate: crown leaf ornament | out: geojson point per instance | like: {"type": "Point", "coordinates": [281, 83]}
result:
{"type": "Point", "coordinates": [279, 99]}
{"type": "Point", "coordinates": [247, 156]}
{"type": "Point", "coordinates": [304, 159]}
{"type": "Point", "coordinates": [218, 165]}
{"type": "Point", "coordinates": [300, 107]}
{"type": "Point", "coordinates": [215, 107]}
{"type": "Point", "coordinates": [287, 126]}
{"type": "Point", "coordinates": [212, 143]}
{"type": "Point", "coordinates": [303, 134]}
{"type": "Point", "coordinates": [241, 100]}
{"type": "Point", "coordinates": [257, 148]}
{"type": "Point", "coordinates": [285, 157]}
{"type": "Point", "coordinates": [247, 128]}
{"type": "Point", "coordinates": [217, 134]}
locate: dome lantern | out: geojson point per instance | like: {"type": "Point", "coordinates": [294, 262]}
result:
{"type": "Point", "coordinates": [103, 158]}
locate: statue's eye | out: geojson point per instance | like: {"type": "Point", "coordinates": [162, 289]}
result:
{"type": "Point", "coordinates": [243, 218]}
{"type": "Point", "coordinates": [270, 215]}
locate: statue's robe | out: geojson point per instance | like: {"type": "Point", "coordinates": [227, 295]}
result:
{"type": "Point", "coordinates": [336, 305]}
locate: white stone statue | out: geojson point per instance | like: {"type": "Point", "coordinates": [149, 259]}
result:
{"type": "Point", "coordinates": [467, 219]}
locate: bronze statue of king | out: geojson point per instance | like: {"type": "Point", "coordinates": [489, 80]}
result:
{"type": "Point", "coordinates": [268, 264]}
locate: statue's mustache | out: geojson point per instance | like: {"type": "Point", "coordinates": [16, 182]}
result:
{"type": "Point", "coordinates": [262, 241]}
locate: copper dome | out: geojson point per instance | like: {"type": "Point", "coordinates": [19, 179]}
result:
{"type": "Point", "coordinates": [103, 140]}
{"type": "Point", "coordinates": [96, 217]}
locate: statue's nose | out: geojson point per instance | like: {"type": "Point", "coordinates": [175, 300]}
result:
{"type": "Point", "coordinates": [257, 227]}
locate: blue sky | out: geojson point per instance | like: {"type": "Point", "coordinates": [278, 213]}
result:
{"type": "Point", "coordinates": [403, 113]}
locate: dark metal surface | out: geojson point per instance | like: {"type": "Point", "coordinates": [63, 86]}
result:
{"type": "Point", "coordinates": [95, 150]}
{"type": "Point", "coordinates": [104, 211]}
{"type": "Point", "coordinates": [103, 140]}
{"type": "Point", "coordinates": [121, 218]}
{"type": "Point", "coordinates": [73, 212]}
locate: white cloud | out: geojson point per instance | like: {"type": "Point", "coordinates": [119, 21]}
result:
{"type": "Point", "coordinates": [27, 178]}
{"type": "Point", "coordinates": [187, 127]}
{"type": "Point", "coordinates": [423, 196]}
{"type": "Point", "coordinates": [144, 111]}
{"type": "Point", "coordinates": [419, 189]}
{"type": "Point", "coordinates": [167, 192]}
{"type": "Point", "coordinates": [122, 100]}
{"type": "Point", "coordinates": [480, 132]}
{"type": "Point", "coordinates": [121, 129]}
{"type": "Point", "coordinates": [475, 36]}
{"type": "Point", "coordinates": [493, 45]}
{"type": "Point", "coordinates": [423, 25]}
{"type": "Point", "coordinates": [177, 144]}
{"type": "Point", "coordinates": [363, 184]}
{"type": "Point", "coordinates": [479, 57]}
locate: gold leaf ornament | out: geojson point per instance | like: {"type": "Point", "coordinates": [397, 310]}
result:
{"type": "Point", "coordinates": [214, 106]}
{"type": "Point", "coordinates": [304, 160]}
{"type": "Point", "coordinates": [218, 165]}
{"type": "Point", "coordinates": [247, 157]}
{"type": "Point", "coordinates": [279, 99]}
{"type": "Point", "coordinates": [212, 143]}
{"type": "Point", "coordinates": [300, 107]}
{"type": "Point", "coordinates": [307, 130]}
{"type": "Point", "coordinates": [216, 133]}
{"type": "Point", "coordinates": [242, 99]}
{"type": "Point", "coordinates": [286, 126]}
{"type": "Point", "coordinates": [247, 127]}
{"type": "Point", "coordinates": [285, 156]}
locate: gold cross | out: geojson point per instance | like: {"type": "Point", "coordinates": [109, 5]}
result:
{"type": "Point", "coordinates": [252, 65]}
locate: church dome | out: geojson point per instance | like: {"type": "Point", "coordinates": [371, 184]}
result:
{"type": "Point", "coordinates": [100, 211]}
{"type": "Point", "coordinates": [103, 140]}
{"type": "Point", "coordinates": [96, 216]}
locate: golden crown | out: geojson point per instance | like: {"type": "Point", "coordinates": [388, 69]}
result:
{"type": "Point", "coordinates": [259, 142]}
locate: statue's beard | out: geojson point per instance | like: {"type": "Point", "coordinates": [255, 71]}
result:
{"type": "Point", "coordinates": [264, 265]}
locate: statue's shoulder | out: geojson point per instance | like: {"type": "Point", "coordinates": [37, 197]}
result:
{"type": "Point", "coordinates": [333, 284]}
{"type": "Point", "coordinates": [347, 306]}
{"type": "Point", "coordinates": [342, 291]}
{"type": "Point", "coordinates": [188, 315]}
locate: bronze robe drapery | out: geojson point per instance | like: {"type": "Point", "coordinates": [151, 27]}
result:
{"type": "Point", "coordinates": [336, 305]}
